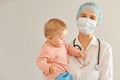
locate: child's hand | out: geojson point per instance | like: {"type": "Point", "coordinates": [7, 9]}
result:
{"type": "Point", "coordinates": [81, 54]}
{"type": "Point", "coordinates": [52, 69]}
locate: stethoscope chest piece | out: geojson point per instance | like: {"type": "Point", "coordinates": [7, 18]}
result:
{"type": "Point", "coordinates": [97, 67]}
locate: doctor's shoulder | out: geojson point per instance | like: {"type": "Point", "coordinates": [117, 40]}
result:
{"type": "Point", "coordinates": [105, 45]}
{"type": "Point", "coordinates": [105, 50]}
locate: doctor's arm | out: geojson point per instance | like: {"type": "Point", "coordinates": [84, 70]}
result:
{"type": "Point", "coordinates": [106, 66]}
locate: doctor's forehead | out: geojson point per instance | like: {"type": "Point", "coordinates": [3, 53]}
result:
{"type": "Point", "coordinates": [88, 13]}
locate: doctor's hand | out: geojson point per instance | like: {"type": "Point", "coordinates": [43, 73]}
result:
{"type": "Point", "coordinates": [52, 69]}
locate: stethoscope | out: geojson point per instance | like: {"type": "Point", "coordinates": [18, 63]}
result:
{"type": "Point", "coordinates": [98, 59]}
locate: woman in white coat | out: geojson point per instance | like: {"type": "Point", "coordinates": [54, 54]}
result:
{"type": "Point", "coordinates": [97, 64]}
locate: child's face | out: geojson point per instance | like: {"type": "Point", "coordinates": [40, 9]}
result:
{"type": "Point", "coordinates": [59, 38]}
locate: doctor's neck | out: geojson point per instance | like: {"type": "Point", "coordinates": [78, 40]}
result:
{"type": "Point", "coordinates": [85, 39]}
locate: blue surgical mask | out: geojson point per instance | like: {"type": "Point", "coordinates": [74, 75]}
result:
{"type": "Point", "coordinates": [86, 25]}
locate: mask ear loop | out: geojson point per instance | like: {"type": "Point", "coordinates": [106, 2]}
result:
{"type": "Point", "coordinates": [97, 24]}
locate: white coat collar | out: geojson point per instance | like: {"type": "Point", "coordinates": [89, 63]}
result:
{"type": "Point", "coordinates": [93, 41]}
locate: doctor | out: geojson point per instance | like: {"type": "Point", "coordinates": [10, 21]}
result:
{"type": "Point", "coordinates": [97, 64]}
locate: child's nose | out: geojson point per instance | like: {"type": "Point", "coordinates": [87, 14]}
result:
{"type": "Point", "coordinates": [64, 40]}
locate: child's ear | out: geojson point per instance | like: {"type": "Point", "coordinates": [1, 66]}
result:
{"type": "Point", "coordinates": [49, 37]}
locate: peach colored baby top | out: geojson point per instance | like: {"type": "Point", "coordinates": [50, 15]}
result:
{"type": "Point", "coordinates": [55, 55]}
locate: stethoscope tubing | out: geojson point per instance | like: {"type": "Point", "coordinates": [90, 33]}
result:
{"type": "Point", "coordinates": [98, 59]}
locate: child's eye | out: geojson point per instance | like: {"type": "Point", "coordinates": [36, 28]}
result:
{"type": "Point", "coordinates": [62, 39]}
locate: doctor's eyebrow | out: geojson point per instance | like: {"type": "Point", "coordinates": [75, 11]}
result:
{"type": "Point", "coordinates": [83, 15]}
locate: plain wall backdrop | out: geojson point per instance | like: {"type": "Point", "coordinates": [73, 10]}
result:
{"type": "Point", "coordinates": [21, 32]}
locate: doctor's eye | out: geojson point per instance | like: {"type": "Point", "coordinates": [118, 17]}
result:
{"type": "Point", "coordinates": [93, 17]}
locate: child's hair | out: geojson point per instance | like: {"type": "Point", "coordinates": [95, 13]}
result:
{"type": "Point", "coordinates": [53, 26]}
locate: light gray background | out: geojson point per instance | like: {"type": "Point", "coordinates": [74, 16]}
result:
{"type": "Point", "coordinates": [21, 32]}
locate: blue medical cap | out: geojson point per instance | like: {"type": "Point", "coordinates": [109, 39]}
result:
{"type": "Point", "coordinates": [93, 7]}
